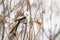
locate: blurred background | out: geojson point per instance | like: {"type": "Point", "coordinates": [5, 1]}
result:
{"type": "Point", "coordinates": [42, 19]}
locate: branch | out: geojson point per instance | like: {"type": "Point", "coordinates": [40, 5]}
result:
{"type": "Point", "coordinates": [56, 34]}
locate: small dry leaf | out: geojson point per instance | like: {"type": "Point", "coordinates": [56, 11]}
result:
{"type": "Point", "coordinates": [13, 20]}
{"type": "Point", "coordinates": [38, 22]}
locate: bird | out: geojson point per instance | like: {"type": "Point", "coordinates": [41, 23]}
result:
{"type": "Point", "coordinates": [16, 26]}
